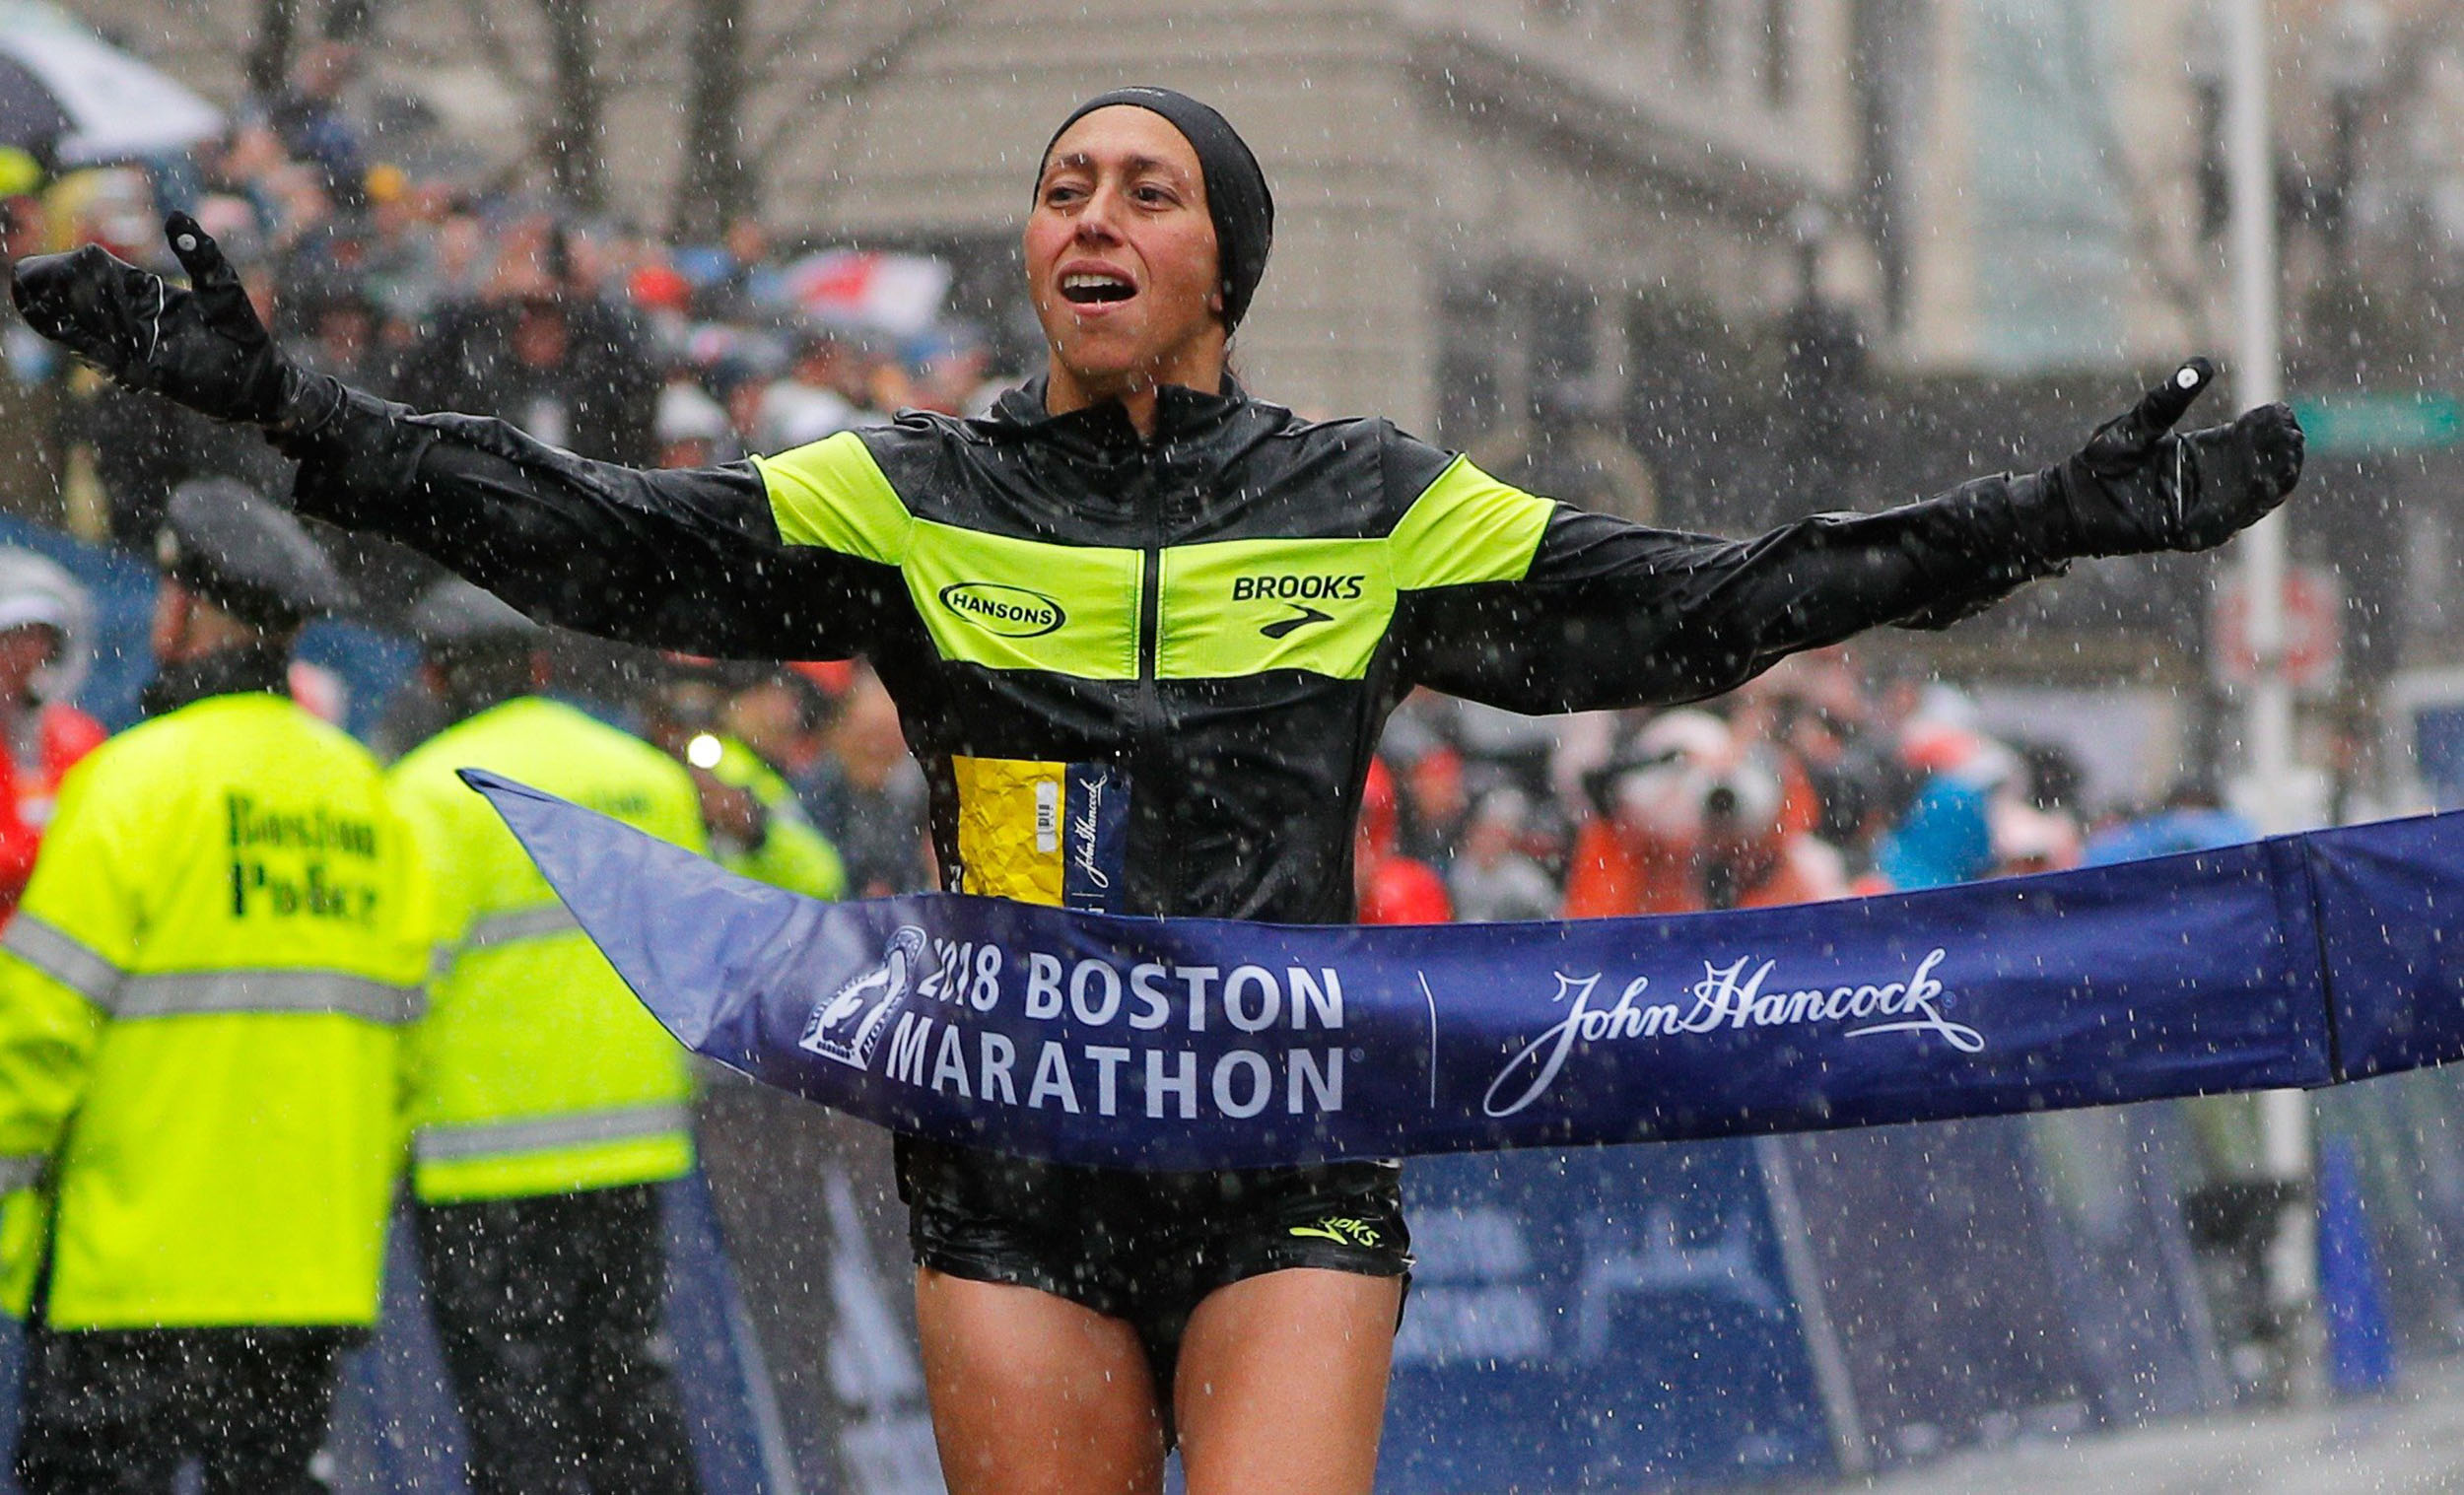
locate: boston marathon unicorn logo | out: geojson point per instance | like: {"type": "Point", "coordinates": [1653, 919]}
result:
{"type": "Point", "coordinates": [849, 1025]}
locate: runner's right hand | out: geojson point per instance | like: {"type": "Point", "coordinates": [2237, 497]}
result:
{"type": "Point", "coordinates": [202, 347]}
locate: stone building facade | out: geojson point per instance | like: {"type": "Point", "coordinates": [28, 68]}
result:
{"type": "Point", "coordinates": [1523, 156]}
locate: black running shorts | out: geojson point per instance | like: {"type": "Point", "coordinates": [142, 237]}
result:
{"type": "Point", "coordinates": [1145, 1247]}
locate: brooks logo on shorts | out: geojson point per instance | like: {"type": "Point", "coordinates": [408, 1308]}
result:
{"type": "Point", "coordinates": [1341, 1230]}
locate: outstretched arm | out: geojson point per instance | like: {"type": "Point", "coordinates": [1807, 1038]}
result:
{"type": "Point", "coordinates": [679, 560]}
{"type": "Point", "coordinates": [686, 559]}
{"type": "Point", "coordinates": [1605, 613]}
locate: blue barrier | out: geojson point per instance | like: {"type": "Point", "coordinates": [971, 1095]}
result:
{"type": "Point", "coordinates": [2353, 1300]}
{"type": "Point", "coordinates": [1608, 1320]}
{"type": "Point", "coordinates": [1785, 1310]}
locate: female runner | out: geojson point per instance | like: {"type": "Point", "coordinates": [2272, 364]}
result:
{"type": "Point", "coordinates": [1139, 592]}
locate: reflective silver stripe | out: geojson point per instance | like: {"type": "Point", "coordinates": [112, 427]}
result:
{"type": "Point", "coordinates": [224, 993]}
{"type": "Point", "coordinates": [485, 1139]}
{"type": "Point", "coordinates": [503, 929]}
{"type": "Point", "coordinates": [63, 959]}
{"type": "Point", "coordinates": [20, 1171]}
{"type": "Point", "coordinates": [526, 923]}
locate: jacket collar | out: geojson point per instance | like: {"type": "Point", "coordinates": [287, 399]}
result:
{"type": "Point", "coordinates": [1105, 427]}
{"type": "Point", "coordinates": [260, 666]}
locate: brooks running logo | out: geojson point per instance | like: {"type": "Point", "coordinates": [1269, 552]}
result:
{"type": "Point", "coordinates": [1307, 616]}
{"type": "Point", "coordinates": [1297, 589]}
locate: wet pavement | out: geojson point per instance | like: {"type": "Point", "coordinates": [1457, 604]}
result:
{"type": "Point", "coordinates": [2411, 1441]}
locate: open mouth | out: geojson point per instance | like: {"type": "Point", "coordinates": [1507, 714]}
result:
{"type": "Point", "coordinates": [1088, 290]}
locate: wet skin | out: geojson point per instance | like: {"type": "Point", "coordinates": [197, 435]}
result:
{"type": "Point", "coordinates": [1122, 266]}
{"type": "Point", "coordinates": [1281, 1388]}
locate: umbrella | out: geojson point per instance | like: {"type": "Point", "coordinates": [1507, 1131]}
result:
{"type": "Point", "coordinates": [896, 294]}
{"type": "Point", "coordinates": [69, 98]}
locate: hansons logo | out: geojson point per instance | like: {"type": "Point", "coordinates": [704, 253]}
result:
{"type": "Point", "coordinates": [1011, 612]}
{"type": "Point", "coordinates": [848, 1024]}
{"type": "Point", "coordinates": [1733, 995]}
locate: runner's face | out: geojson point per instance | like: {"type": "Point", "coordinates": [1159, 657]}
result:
{"type": "Point", "coordinates": [1121, 257]}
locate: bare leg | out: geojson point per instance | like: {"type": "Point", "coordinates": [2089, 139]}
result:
{"type": "Point", "coordinates": [1034, 1394]}
{"type": "Point", "coordinates": [1281, 1384]}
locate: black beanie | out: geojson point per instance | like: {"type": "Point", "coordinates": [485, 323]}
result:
{"type": "Point", "coordinates": [1237, 198]}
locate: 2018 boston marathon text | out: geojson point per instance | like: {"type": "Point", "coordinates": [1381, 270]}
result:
{"type": "Point", "coordinates": [1244, 1042]}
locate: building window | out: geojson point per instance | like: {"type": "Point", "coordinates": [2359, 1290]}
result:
{"type": "Point", "coordinates": [1471, 394]}
{"type": "Point", "coordinates": [1698, 36]}
{"type": "Point", "coordinates": [1779, 61]}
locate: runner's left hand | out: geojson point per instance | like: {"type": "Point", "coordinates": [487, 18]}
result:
{"type": "Point", "coordinates": [2137, 487]}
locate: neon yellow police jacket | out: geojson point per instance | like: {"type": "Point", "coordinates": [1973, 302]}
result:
{"type": "Point", "coordinates": [202, 999]}
{"type": "Point", "coordinates": [536, 1071]}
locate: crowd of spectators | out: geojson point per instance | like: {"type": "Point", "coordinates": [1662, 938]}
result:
{"type": "Point", "coordinates": [444, 290]}
{"type": "Point", "coordinates": [589, 332]}
{"type": "Point", "coordinates": [1815, 783]}
{"type": "Point", "coordinates": [1821, 779]}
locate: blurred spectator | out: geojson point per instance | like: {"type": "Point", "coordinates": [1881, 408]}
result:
{"type": "Point", "coordinates": [785, 717]}
{"type": "Point", "coordinates": [2033, 828]}
{"type": "Point", "coordinates": [308, 118]}
{"type": "Point", "coordinates": [2029, 840]}
{"type": "Point", "coordinates": [1391, 888]}
{"type": "Point", "coordinates": [45, 619]}
{"type": "Point", "coordinates": [1946, 834]}
{"type": "Point", "coordinates": [757, 828]}
{"type": "Point", "coordinates": [1516, 749]}
{"type": "Point", "coordinates": [542, 352]}
{"type": "Point", "coordinates": [333, 327]}
{"type": "Point", "coordinates": [737, 279]}
{"type": "Point", "coordinates": [692, 428]}
{"type": "Point", "coordinates": [817, 397]}
{"type": "Point", "coordinates": [953, 367]}
{"type": "Point", "coordinates": [1635, 853]}
{"type": "Point", "coordinates": [1491, 880]}
{"type": "Point", "coordinates": [1437, 800]}
{"type": "Point", "coordinates": [1753, 854]}
{"type": "Point", "coordinates": [2193, 818]}
{"type": "Point", "coordinates": [867, 795]}
{"type": "Point", "coordinates": [660, 294]}
{"type": "Point", "coordinates": [1814, 711]}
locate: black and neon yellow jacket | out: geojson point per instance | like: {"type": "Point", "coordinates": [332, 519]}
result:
{"type": "Point", "coordinates": [1146, 676]}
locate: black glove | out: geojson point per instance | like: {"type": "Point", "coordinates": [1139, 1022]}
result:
{"type": "Point", "coordinates": [2137, 488]}
{"type": "Point", "coordinates": [203, 347]}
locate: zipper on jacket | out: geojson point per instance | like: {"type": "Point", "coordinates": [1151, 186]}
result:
{"type": "Point", "coordinates": [1150, 608]}
{"type": "Point", "coordinates": [1146, 773]}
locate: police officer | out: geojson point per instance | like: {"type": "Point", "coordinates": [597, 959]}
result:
{"type": "Point", "coordinates": [202, 1000]}
{"type": "Point", "coordinates": [758, 828]}
{"type": "Point", "coordinates": [548, 1103]}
